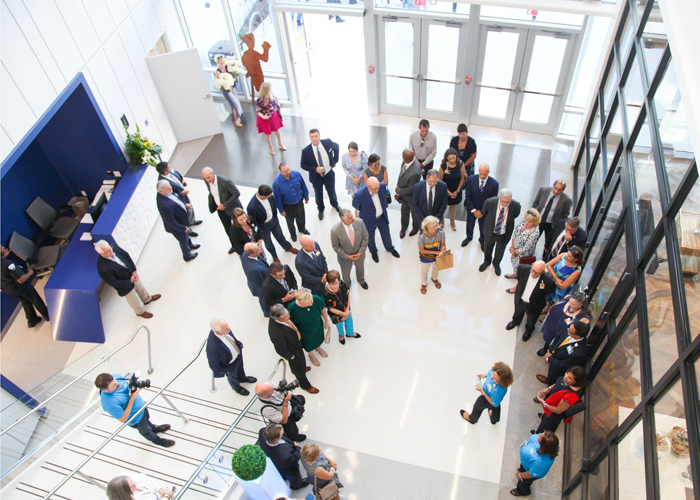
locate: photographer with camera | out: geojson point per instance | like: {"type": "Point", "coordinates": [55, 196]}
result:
{"type": "Point", "coordinates": [121, 400]}
{"type": "Point", "coordinates": [282, 407]}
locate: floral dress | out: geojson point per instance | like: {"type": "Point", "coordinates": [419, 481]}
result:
{"type": "Point", "coordinates": [356, 169]}
{"type": "Point", "coordinates": [525, 241]}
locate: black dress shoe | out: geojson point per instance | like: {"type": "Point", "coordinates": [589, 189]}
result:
{"type": "Point", "coordinates": [532, 431]}
{"type": "Point", "coordinates": [243, 391]}
{"type": "Point", "coordinates": [293, 237]}
{"type": "Point", "coordinates": [46, 318]}
{"type": "Point", "coordinates": [337, 209]}
{"type": "Point", "coordinates": [196, 223]}
{"type": "Point", "coordinates": [402, 234]}
{"type": "Point", "coordinates": [231, 250]}
{"type": "Point", "coordinates": [510, 325]}
{"type": "Point", "coordinates": [194, 256]}
{"type": "Point", "coordinates": [166, 443]}
{"type": "Point", "coordinates": [192, 234]}
{"type": "Point", "coordinates": [482, 245]}
{"type": "Point", "coordinates": [300, 438]}
{"type": "Point", "coordinates": [466, 241]}
{"type": "Point", "coordinates": [395, 253]}
{"type": "Point", "coordinates": [364, 285]}
{"type": "Point", "coordinates": [540, 415]}
{"type": "Point", "coordinates": [195, 247]}
{"type": "Point", "coordinates": [526, 336]}
{"type": "Point", "coordinates": [413, 232]}
{"type": "Point", "coordinates": [355, 335]}
{"type": "Point", "coordinates": [483, 267]}
{"type": "Point", "coordinates": [305, 231]}
{"type": "Point", "coordinates": [320, 215]}
{"type": "Point", "coordinates": [497, 270]}
{"type": "Point", "coordinates": [162, 428]}
{"type": "Point", "coordinates": [375, 256]}
{"type": "Point", "coordinates": [542, 352]}
{"type": "Point", "coordinates": [341, 340]}
{"type": "Point", "coordinates": [304, 483]}
{"type": "Point", "coordinates": [250, 380]}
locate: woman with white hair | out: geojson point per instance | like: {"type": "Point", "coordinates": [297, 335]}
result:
{"type": "Point", "coordinates": [308, 313]}
{"type": "Point", "coordinates": [139, 487]}
{"type": "Point", "coordinates": [431, 245]}
{"type": "Point", "coordinates": [269, 119]}
{"type": "Point", "coordinates": [524, 241]}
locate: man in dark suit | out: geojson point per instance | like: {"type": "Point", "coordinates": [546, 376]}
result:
{"type": "Point", "coordinates": [16, 282]}
{"type": "Point", "coordinates": [287, 341]}
{"type": "Point", "coordinates": [318, 159]}
{"type": "Point", "coordinates": [256, 272]}
{"type": "Point", "coordinates": [530, 296]}
{"type": "Point", "coordinates": [568, 350]}
{"type": "Point", "coordinates": [283, 453]}
{"type": "Point", "coordinates": [565, 235]}
{"type": "Point", "coordinates": [552, 204]}
{"type": "Point", "coordinates": [223, 198]}
{"type": "Point", "coordinates": [280, 286]}
{"type": "Point", "coordinates": [499, 213]}
{"type": "Point", "coordinates": [477, 190]}
{"type": "Point", "coordinates": [175, 220]}
{"type": "Point", "coordinates": [311, 265]}
{"type": "Point", "coordinates": [409, 175]}
{"type": "Point", "coordinates": [263, 213]}
{"type": "Point", "coordinates": [117, 269]}
{"type": "Point", "coordinates": [370, 201]}
{"type": "Point", "coordinates": [225, 356]}
{"type": "Point", "coordinates": [177, 182]}
{"type": "Point", "coordinates": [430, 197]}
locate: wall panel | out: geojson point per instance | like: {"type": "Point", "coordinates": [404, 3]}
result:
{"type": "Point", "coordinates": [83, 32]}
{"type": "Point", "coordinates": [15, 114]}
{"type": "Point", "coordinates": [101, 18]}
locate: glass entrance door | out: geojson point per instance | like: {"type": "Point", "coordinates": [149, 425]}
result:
{"type": "Point", "coordinates": [422, 61]}
{"type": "Point", "coordinates": [521, 77]}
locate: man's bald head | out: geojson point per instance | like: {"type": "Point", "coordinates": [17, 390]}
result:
{"type": "Point", "coordinates": [307, 243]}
{"type": "Point", "coordinates": [264, 389]}
{"type": "Point", "coordinates": [538, 267]}
{"type": "Point", "coordinates": [408, 155]}
{"type": "Point", "coordinates": [251, 250]}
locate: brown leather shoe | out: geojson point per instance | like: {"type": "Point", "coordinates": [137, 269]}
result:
{"type": "Point", "coordinates": [536, 401]}
{"type": "Point", "coordinates": [146, 315]}
{"type": "Point", "coordinates": [413, 232]}
{"type": "Point", "coordinates": [313, 390]}
{"type": "Point", "coordinates": [308, 368]}
{"type": "Point", "coordinates": [542, 378]}
{"type": "Point", "coordinates": [153, 298]}
{"type": "Point", "coordinates": [293, 250]}
{"type": "Point", "coordinates": [402, 233]}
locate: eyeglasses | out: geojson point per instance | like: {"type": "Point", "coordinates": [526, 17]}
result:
{"type": "Point", "coordinates": [422, 141]}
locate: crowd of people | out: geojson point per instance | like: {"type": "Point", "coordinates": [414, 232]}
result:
{"type": "Point", "coordinates": [300, 310]}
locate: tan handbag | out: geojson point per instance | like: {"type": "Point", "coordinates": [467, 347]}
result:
{"type": "Point", "coordinates": [446, 261]}
{"type": "Point", "coordinates": [327, 340]}
{"type": "Point", "coordinates": [328, 492]}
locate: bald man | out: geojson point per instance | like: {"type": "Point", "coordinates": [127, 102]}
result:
{"type": "Point", "coordinates": [278, 408]}
{"type": "Point", "coordinates": [225, 356]}
{"type": "Point", "coordinates": [312, 266]}
{"type": "Point", "coordinates": [409, 175]}
{"type": "Point", "coordinates": [173, 212]}
{"type": "Point", "coordinates": [370, 202]}
{"type": "Point", "coordinates": [223, 198]}
{"type": "Point", "coordinates": [530, 296]}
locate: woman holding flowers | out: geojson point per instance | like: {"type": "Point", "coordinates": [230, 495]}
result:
{"type": "Point", "coordinates": [269, 120]}
{"type": "Point", "coordinates": [223, 73]}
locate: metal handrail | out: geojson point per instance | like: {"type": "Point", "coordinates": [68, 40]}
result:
{"type": "Point", "coordinates": [106, 358]}
{"type": "Point", "coordinates": [228, 432]}
{"type": "Point", "coordinates": [128, 422]}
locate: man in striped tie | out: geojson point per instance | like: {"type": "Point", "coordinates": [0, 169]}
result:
{"type": "Point", "coordinates": [478, 188]}
{"type": "Point", "coordinates": [499, 214]}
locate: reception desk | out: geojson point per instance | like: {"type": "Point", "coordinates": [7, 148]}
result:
{"type": "Point", "coordinates": [72, 291]}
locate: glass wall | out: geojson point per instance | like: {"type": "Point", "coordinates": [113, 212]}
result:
{"type": "Point", "coordinates": [641, 432]}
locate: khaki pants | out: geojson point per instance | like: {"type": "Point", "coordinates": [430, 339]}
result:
{"type": "Point", "coordinates": [137, 295]}
{"type": "Point", "coordinates": [424, 266]}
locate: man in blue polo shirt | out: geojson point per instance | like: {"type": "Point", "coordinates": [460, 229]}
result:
{"type": "Point", "coordinates": [289, 189]}
{"type": "Point", "coordinates": [116, 400]}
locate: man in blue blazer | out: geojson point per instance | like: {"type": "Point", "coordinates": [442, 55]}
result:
{"type": "Point", "coordinates": [177, 182]}
{"type": "Point", "coordinates": [225, 356]}
{"type": "Point", "coordinates": [312, 266]}
{"type": "Point", "coordinates": [370, 201]}
{"type": "Point", "coordinates": [318, 159]}
{"type": "Point", "coordinates": [283, 453]}
{"type": "Point", "coordinates": [478, 188]}
{"type": "Point", "coordinates": [256, 271]}
{"type": "Point", "coordinates": [175, 220]}
{"type": "Point", "coordinates": [262, 211]}
{"type": "Point", "coordinates": [430, 197]}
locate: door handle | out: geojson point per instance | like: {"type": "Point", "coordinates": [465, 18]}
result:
{"type": "Point", "coordinates": [206, 96]}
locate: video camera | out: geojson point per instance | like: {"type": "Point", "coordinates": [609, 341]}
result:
{"type": "Point", "coordinates": [135, 383]}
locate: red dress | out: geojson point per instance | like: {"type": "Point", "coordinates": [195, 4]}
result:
{"type": "Point", "coordinates": [272, 108]}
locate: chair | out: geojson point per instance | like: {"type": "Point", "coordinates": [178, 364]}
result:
{"type": "Point", "coordinates": [46, 218]}
{"type": "Point", "coordinates": [41, 259]}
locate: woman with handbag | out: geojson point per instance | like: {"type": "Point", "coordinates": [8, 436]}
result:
{"type": "Point", "coordinates": [524, 241]}
{"type": "Point", "coordinates": [558, 398]}
{"type": "Point", "coordinates": [338, 304]}
{"type": "Point", "coordinates": [308, 313]}
{"type": "Point", "coordinates": [431, 245]}
{"type": "Point", "coordinates": [269, 119]}
{"type": "Point", "coordinates": [562, 314]}
{"type": "Point", "coordinates": [354, 164]}
{"type": "Point", "coordinates": [322, 472]}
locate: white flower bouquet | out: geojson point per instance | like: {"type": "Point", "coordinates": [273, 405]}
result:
{"type": "Point", "coordinates": [224, 82]}
{"type": "Point", "coordinates": [149, 159]}
{"type": "Point", "coordinates": [235, 67]}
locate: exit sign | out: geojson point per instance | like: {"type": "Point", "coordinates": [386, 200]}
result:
{"type": "Point", "coordinates": [532, 12]}
{"type": "Point", "coordinates": [419, 3]}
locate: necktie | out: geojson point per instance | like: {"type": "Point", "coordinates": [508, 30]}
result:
{"type": "Point", "coordinates": [351, 234]}
{"type": "Point", "coordinates": [430, 200]}
{"type": "Point", "coordinates": [291, 325]}
{"type": "Point", "coordinates": [313, 256]}
{"type": "Point", "coordinates": [320, 158]}
{"type": "Point", "coordinates": [481, 186]}
{"type": "Point", "coordinates": [559, 244]}
{"type": "Point", "coordinates": [566, 340]}
{"type": "Point", "coordinates": [545, 214]}
{"type": "Point", "coordinates": [262, 259]}
{"type": "Point", "coordinates": [233, 343]}
{"type": "Point", "coordinates": [283, 282]}
{"type": "Point", "coordinates": [499, 222]}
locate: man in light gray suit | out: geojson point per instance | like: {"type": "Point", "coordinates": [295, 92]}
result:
{"type": "Point", "coordinates": [553, 204]}
{"type": "Point", "coordinates": [349, 239]}
{"type": "Point", "coordinates": [408, 176]}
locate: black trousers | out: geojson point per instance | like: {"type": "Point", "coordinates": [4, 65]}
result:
{"type": "Point", "coordinates": [498, 241]}
{"type": "Point", "coordinates": [295, 213]}
{"type": "Point", "coordinates": [546, 229]}
{"type": "Point", "coordinates": [524, 484]}
{"type": "Point", "coordinates": [471, 221]}
{"type": "Point", "coordinates": [426, 167]}
{"type": "Point", "coordinates": [147, 429]}
{"type": "Point", "coordinates": [276, 231]}
{"type": "Point", "coordinates": [294, 478]}
{"type": "Point", "coordinates": [290, 428]}
{"type": "Point", "coordinates": [298, 367]}
{"type": "Point", "coordinates": [482, 404]}
{"type": "Point", "coordinates": [185, 245]}
{"type": "Point", "coordinates": [408, 213]}
{"type": "Point", "coordinates": [236, 373]}
{"type": "Point", "coordinates": [522, 308]}
{"type": "Point", "coordinates": [226, 221]}
{"type": "Point", "coordinates": [30, 299]}
{"type": "Point", "coordinates": [327, 181]}
{"type": "Point", "coordinates": [550, 423]}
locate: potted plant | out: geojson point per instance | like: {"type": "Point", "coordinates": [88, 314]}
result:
{"type": "Point", "coordinates": [257, 475]}
{"type": "Point", "coordinates": [139, 150]}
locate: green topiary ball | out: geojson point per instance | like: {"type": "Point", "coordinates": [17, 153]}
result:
{"type": "Point", "coordinates": [248, 463]}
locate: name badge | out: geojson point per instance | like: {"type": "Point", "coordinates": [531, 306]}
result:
{"type": "Point", "coordinates": [541, 286]}
{"type": "Point", "coordinates": [568, 321]}
{"type": "Point", "coordinates": [569, 349]}
{"type": "Point", "coordinates": [318, 254]}
{"type": "Point", "coordinates": [11, 267]}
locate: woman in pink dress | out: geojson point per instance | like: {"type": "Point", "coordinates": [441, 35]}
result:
{"type": "Point", "coordinates": [269, 119]}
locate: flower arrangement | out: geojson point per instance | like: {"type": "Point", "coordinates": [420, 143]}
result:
{"type": "Point", "coordinates": [224, 82]}
{"type": "Point", "coordinates": [140, 150]}
{"type": "Point", "coordinates": [248, 463]}
{"type": "Point", "coordinates": [235, 67]}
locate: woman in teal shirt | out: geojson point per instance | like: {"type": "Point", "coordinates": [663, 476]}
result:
{"type": "Point", "coordinates": [537, 455]}
{"type": "Point", "coordinates": [493, 389]}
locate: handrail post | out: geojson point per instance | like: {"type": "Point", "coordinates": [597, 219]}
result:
{"type": "Point", "coordinates": [90, 480]}
{"type": "Point", "coordinates": [167, 400]}
{"type": "Point", "coordinates": [150, 362]}
{"type": "Point", "coordinates": [213, 383]}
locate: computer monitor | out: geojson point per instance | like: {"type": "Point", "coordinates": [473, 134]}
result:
{"type": "Point", "coordinates": [97, 207]}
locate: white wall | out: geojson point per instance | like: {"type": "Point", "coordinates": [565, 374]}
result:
{"type": "Point", "coordinates": [46, 43]}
